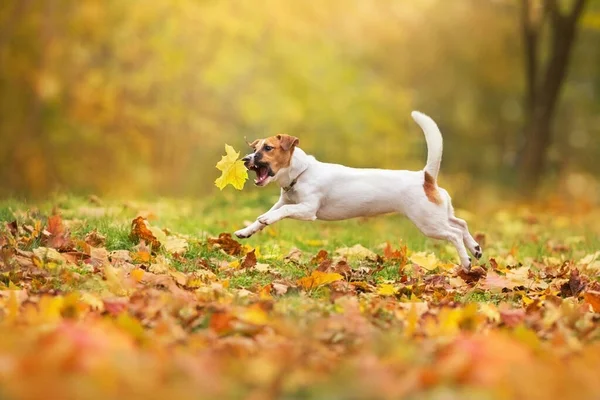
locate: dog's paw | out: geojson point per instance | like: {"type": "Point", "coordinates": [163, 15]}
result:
{"type": "Point", "coordinates": [478, 252]}
{"type": "Point", "coordinates": [468, 266]}
{"type": "Point", "coordinates": [242, 234]}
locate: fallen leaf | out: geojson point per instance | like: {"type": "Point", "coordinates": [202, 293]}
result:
{"type": "Point", "coordinates": [160, 265]}
{"type": "Point", "coordinates": [321, 256]}
{"type": "Point", "coordinates": [593, 299]}
{"type": "Point", "coordinates": [318, 278]}
{"type": "Point", "coordinates": [425, 260]}
{"type": "Point", "coordinates": [293, 256]}
{"type": "Point", "coordinates": [356, 252]}
{"type": "Point", "coordinates": [496, 283]}
{"type": "Point", "coordinates": [140, 231]}
{"type": "Point", "coordinates": [386, 289]}
{"type": "Point", "coordinates": [280, 288]}
{"type": "Point", "coordinates": [574, 286]}
{"type": "Point", "coordinates": [59, 235]}
{"type": "Point", "coordinates": [473, 275]}
{"type": "Point", "coordinates": [227, 243]}
{"type": "Point", "coordinates": [249, 260]}
{"type": "Point", "coordinates": [399, 255]}
{"type": "Point", "coordinates": [260, 267]}
{"type": "Point", "coordinates": [95, 239]}
{"type": "Point", "coordinates": [48, 257]}
{"type": "Point", "coordinates": [175, 245]}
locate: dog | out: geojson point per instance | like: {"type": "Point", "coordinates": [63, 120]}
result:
{"type": "Point", "coordinates": [312, 190]}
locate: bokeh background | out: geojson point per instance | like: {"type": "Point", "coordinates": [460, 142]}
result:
{"type": "Point", "coordinates": [135, 98]}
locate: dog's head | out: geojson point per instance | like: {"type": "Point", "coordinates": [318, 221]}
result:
{"type": "Point", "coordinates": [270, 156]}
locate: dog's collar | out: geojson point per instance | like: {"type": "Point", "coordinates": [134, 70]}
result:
{"type": "Point", "coordinates": [293, 183]}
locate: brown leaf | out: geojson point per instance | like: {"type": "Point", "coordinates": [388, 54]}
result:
{"type": "Point", "coordinates": [280, 288]}
{"type": "Point", "coordinates": [227, 243]}
{"type": "Point", "coordinates": [574, 286]}
{"type": "Point", "coordinates": [140, 231]}
{"type": "Point", "coordinates": [13, 228]}
{"type": "Point", "coordinates": [363, 286]}
{"type": "Point", "coordinates": [95, 239]}
{"type": "Point", "coordinates": [75, 257]}
{"type": "Point", "coordinates": [250, 260]}
{"type": "Point", "coordinates": [294, 256]}
{"type": "Point", "coordinates": [59, 236]}
{"type": "Point", "coordinates": [321, 256]}
{"type": "Point", "coordinates": [473, 275]}
{"type": "Point", "coordinates": [342, 268]}
{"type": "Point", "coordinates": [325, 265]}
{"type": "Point", "coordinates": [493, 264]}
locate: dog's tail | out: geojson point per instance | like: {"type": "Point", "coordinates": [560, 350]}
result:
{"type": "Point", "coordinates": [435, 144]}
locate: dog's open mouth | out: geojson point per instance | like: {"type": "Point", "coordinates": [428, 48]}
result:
{"type": "Point", "coordinates": [262, 173]}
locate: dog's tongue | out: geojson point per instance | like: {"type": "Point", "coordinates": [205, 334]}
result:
{"type": "Point", "coordinates": [261, 174]}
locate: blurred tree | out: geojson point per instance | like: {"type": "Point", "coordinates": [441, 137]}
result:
{"type": "Point", "coordinates": [544, 80]}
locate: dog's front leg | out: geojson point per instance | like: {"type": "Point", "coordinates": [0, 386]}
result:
{"type": "Point", "coordinates": [302, 211]}
{"type": "Point", "coordinates": [256, 226]}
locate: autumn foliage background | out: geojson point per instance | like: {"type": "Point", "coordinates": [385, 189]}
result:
{"type": "Point", "coordinates": [119, 277]}
{"type": "Point", "coordinates": [122, 98]}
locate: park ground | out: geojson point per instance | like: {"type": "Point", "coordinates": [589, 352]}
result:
{"type": "Point", "coordinates": [130, 299]}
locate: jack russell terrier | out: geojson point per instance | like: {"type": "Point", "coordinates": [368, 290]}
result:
{"type": "Point", "coordinates": [312, 190]}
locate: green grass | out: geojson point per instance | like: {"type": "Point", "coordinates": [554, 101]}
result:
{"type": "Point", "coordinates": [228, 211]}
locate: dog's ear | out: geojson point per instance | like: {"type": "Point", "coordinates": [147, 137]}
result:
{"type": "Point", "coordinates": [253, 144]}
{"type": "Point", "coordinates": [287, 141]}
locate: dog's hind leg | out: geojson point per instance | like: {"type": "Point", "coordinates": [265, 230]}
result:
{"type": "Point", "coordinates": [454, 236]}
{"type": "Point", "coordinates": [461, 224]}
{"type": "Point", "coordinates": [433, 222]}
{"type": "Point", "coordinates": [469, 241]}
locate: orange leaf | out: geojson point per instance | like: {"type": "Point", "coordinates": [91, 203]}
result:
{"type": "Point", "coordinates": [321, 256]}
{"type": "Point", "coordinates": [592, 297]}
{"type": "Point", "coordinates": [221, 322]}
{"type": "Point", "coordinates": [59, 235]}
{"type": "Point", "coordinates": [140, 231]}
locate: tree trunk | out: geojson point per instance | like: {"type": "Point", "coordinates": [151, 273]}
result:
{"type": "Point", "coordinates": [542, 95]}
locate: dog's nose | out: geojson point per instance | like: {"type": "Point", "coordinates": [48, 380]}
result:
{"type": "Point", "coordinates": [247, 158]}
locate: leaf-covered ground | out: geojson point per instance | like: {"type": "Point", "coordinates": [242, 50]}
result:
{"type": "Point", "coordinates": [156, 300]}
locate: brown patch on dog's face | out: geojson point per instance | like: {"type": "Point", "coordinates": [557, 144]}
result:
{"type": "Point", "coordinates": [431, 189]}
{"type": "Point", "coordinates": [270, 156]}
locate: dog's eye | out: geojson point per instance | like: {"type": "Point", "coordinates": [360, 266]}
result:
{"type": "Point", "coordinates": [268, 148]}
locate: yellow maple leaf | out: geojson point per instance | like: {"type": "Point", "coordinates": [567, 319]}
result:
{"type": "Point", "coordinates": [233, 170]}
{"type": "Point", "coordinates": [385, 289]}
{"type": "Point", "coordinates": [425, 260]}
{"type": "Point", "coordinates": [318, 278]}
{"type": "Point", "coordinates": [356, 252]}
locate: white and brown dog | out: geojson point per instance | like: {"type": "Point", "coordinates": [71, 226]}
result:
{"type": "Point", "coordinates": [312, 190]}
